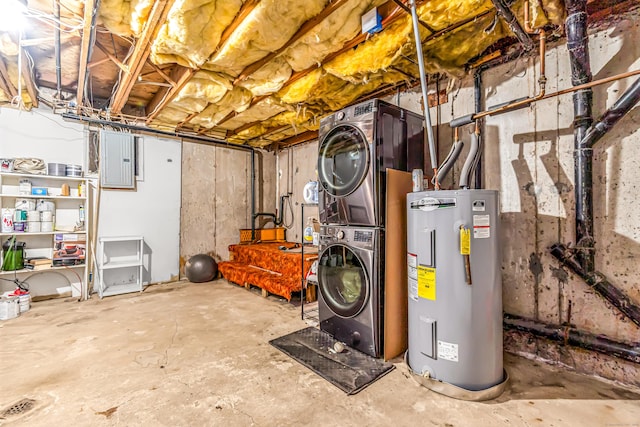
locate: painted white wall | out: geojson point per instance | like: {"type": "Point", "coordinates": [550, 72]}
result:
{"type": "Point", "coordinates": [40, 134]}
{"type": "Point", "coordinates": [152, 210]}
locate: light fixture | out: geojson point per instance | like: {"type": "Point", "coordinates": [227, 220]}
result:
{"type": "Point", "coordinates": [13, 15]}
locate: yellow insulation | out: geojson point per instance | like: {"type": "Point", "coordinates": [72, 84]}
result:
{"type": "Point", "coordinates": [329, 36]}
{"type": "Point", "coordinates": [264, 30]}
{"type": "Point", "coordinates": [124, 18]}
{"type": "Point", "coordinates": [269, 78]}
{"type": "Point", "coordinates": [236, 100]}
{"type": "Point", "coordinates": [8, 47]}
{"type": "Point", "coordinates": [205, 87]}
{"type": "Point", "coordinates": [192, 31]}
{"type": "Point", "coordinates": [262, 110]}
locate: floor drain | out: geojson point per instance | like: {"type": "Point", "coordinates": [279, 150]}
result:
{"type": "Point", "coordinates": [18, 408]}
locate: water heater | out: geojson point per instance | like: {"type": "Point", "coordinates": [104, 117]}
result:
{"type": "Point", "coordinates": [455, 291]}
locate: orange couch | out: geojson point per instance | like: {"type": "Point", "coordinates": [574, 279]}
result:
{"type": "Point", "coordinates": [266, 266]}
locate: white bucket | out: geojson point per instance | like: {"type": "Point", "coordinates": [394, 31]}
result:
{"type": "Point", "coordinates": [33, 227]}
{"type": "Point", "coordinates": [33, 216]}
{"type": "Point", "coordinates": [45, 205]}
{"type": "Point", "coordinates": [25, 302]}
{"type": "Point", "coordinates": [46, 227]}
{"type": "Point", "coordinates": [7, 220]}
{"type": "Point", "coordinates": [9, 308]}
{"type": "Point", "coordinates": [46, 216]}
{"type": "Point", "coordinates": [25, 204]}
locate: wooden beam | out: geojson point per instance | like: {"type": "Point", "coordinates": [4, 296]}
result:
{"type": "Point", "coordinates": [28, 80]}
{"type": "Point", "coordinates": [5, 81]}
{"type": "Point", "coordinates": [141, 52]}
{"type": "Point", "coordinates": [89, 6]}
{"type": "Point", "coordinates": [98, 62]}
{"type": "Point", "coordinates": [112, 57]}
{"type": "Point", "coordinates": [244, 11]}
{"type": "Point", "coordinates": [181, 75]}
{"type": "Point", "coordinates": [41, 40]}
{"type": "Point", "coordinates": [302, 31]}
{"type": "Point", "coordinates": [157, 67]}
{"type": "Point", "coordinates": [159, 70]}
{"type": "Point", "coordinates": [300, 138]}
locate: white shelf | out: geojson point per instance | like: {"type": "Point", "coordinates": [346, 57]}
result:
{"type": "Point", "coordinates": [118, 289]}
{"type": "Point", "coordinates": [41, 270]}
{"type": "Point", "coordinates": [41, 233]}
{"type": "Point", "coordinates": [129, 259]}
{"type": "Point", "coordinates": [121, 264]}
{"type": "Point", "coordinates": [54, 177]}
{"type": "Point", "coordinates": [32, 196]}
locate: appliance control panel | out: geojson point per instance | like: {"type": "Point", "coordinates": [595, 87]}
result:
{"type": "Point", "coordinates": [359, 237]}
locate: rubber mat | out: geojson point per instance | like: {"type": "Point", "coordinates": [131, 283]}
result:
{"type": "Point", "coordinates": [349, 370]}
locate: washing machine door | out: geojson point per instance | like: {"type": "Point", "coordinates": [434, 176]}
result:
{"type": "Point", "coordinates": [343, 280]}
{"type": "Point", "coordinates": [343, 160]}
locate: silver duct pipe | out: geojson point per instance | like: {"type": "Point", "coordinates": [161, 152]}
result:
{"type": "Point", "coordinates": [56, 42]}
{"type": "Point", "coordinates": [423, 85]}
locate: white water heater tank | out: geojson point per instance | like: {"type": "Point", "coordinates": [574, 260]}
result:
{"type": "Point", "coordinates": [455, 290]}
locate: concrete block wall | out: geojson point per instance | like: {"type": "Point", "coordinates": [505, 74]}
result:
{"type": "Point", "coordinates": [216, 197]}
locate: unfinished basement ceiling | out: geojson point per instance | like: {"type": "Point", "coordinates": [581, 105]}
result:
{"type": "Point", "coordinates": [252, 72]}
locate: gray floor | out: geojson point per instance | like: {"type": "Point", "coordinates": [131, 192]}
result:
{"type": "Point", "coordinates": [198, 354]}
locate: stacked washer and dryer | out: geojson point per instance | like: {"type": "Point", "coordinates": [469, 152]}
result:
{"type": "Point", "coordinates": [357, 146]}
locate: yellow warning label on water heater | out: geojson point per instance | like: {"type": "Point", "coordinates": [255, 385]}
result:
{"type": "Point", "coordinates": [427, 282]}
{"type": "Point", "coordinates": [465, 241]}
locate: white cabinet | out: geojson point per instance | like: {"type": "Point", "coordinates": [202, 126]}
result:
{"type": "Point", "coordinates": [55, 236]}
{"type": "Point", "coordinates": [120, 265]}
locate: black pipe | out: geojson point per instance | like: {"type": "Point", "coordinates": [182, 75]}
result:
{"type": "Point", "coordinates": [599, 283]}
{"type": "Point", "coordinates": [571, 336]}
{"type": "Point", "coordinates": [56, 47]}
{"type": "Point", "coordinates": [152, 131]}
{"type": "Point", "coordinates": [253, 195]}
{"type": "Point", "coordinates": [578, 46]}
{"type": "Point", "coordinates": [623, 105]}
{"type": "Point", "coordinates": [477, 91]}
{"type": "Point", "coordinates": [508, 16]}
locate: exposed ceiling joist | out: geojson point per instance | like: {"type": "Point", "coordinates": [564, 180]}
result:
{"type": "Point", "coordinates": [40, 40]}
{"type": "Point", "coordinates": [141, 52]}
{"type": "Point", "coordinates": [303, 30]}
{"type": "Point", "coordinates": [89, 11]}
{"type": "Point", "coordinates": [244, 11]}
{"type": "Point", "coordinates": [5, 82]}
{"type": "Point", "coordinates": [28, 81]}
{"type": "Point", "coordinates": [180, 76]}
{"type": "Point", "coordinates": [309, 135]}
{"type": "Point", "coordinates": [112, 57]}
{"type": "Point", "coordinates": [159, 71]}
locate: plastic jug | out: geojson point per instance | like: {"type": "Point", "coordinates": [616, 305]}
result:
{"type": "Point", "coordinates": [308, 231]}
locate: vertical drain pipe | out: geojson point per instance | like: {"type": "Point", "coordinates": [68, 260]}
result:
{"type": "Point", "coordinates": [577, 43]}
{"type": "Point", "coordinates": [253, 194]}
{"type": "Point", "coordinates": [423, 85]}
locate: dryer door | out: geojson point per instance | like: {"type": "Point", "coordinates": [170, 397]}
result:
{"type": "Point", "coordinates": [343, 280]}
{"type": "Point", "coordinates": [343, 160]}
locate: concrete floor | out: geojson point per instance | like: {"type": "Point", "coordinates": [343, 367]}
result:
{"type": "Point", "coordinates": [198, 354]}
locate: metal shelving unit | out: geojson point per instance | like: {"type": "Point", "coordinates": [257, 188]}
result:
{"type": "Point", "coordinates": [303, 291]}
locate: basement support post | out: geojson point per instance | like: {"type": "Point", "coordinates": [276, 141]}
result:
{"type": "Point", "coordinates": [577, 43]}
{"type": "Point", "coordinates": [571, 336]}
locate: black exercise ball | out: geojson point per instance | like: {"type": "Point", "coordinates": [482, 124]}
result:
{"type": "Point", "coordinates": [201, 268]}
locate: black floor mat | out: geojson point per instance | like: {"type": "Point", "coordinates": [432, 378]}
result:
{"type": "Point", "coordinates": [350, 371]}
